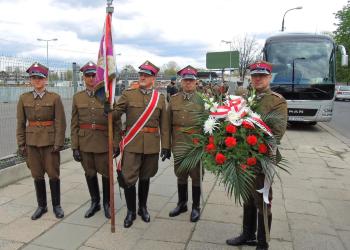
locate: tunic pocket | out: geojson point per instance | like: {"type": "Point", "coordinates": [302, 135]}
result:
{"type": "Point", "coordinates": [81, 133]}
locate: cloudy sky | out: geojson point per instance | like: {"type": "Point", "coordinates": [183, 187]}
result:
{"type": "Point", "coordinates": [157, 30]}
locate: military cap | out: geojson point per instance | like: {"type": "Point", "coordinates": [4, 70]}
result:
{"type": "Point", "coordinates": [148, 68]}
{"type": "Point", "coordinates": [188, 73]}
{"type": "Point", "coordinates": [37, 69]}
{"type": "Point", "coordinates": [89, 68]}
{"type": "Point", "coordinates": [260, 67]}
{"type": "Point", "coordinates": [173, 79]}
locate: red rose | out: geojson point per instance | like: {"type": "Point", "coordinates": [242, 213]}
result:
{"type": "Point", "coordinates": [230, 142]}
{"type": "Point", "coordinates": [243, 167]}
{"type": "Point", "coordinates": [251, 161]}
{"type": "Point", "coordinates": [195, 141]}
{"type": "Point", "coordinates": [220, 158]}
{"type": "Point", "coordinates": [252, 140]}
{"type": "Point", "coordinates": [210, 147]}
{"type": "Point", "coordinates": [231, 129]}
{"type": "Point", "coordinates": [262, 149]}
{"type": "Point", "coordinates": [211, 139]}
{"type": "Point", "coordinates": [247, 125]}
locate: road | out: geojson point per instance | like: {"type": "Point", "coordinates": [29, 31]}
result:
{"type": "Point", "coordinates": [340, 121]}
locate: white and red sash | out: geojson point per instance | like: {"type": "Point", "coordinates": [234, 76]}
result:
{"type": "Point", "coordinates": [138, 125]}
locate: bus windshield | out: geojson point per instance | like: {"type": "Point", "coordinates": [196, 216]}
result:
{"type": "Point", "coordinates": [301, 62]}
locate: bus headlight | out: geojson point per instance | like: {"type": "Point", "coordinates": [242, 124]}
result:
{"type": "Point", "coordinates": [327, 111]}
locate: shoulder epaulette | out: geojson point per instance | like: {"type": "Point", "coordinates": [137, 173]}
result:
{"type": "Point", "coordinates": [129, 90]}
{"type": "Point", "coordinates": [278, 95]}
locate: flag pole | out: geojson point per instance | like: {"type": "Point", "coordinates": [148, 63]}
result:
{"type": "Point", "coordinates": [111, 172]}
{"type": "Point", "coordinates": [109, 10]}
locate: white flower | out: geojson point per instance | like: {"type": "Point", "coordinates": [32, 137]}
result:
{"type": "Point", "coordinates": [210, 125]}
{"type": "Point", "coordinates": [211, 99]}
{"type": "Point", "coordinates": [207, 106]}
{"type": "Point", "coordinates": [250, 99]}
{"type": "Point", "coordinates": [253, 114]}
{"type": "Point", "coordinates": [214, 107]}
{"type": "Point", "coordinates": [234, 117]}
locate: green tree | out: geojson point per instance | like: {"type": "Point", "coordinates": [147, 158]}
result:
{"type": "Point", "coordinates": [68, 75]}
{"type": "Point", "coordinates": [342, 36]}
{"type": "Point", "coordinates": [129, 68]}
{"type": "Point", "coordinates": [170, 69]}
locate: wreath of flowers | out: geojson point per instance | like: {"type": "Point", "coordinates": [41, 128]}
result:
{"type": "Point", "coordinates": [236, 144]}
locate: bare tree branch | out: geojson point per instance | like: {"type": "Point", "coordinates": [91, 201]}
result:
{"type": "Point", "coordinates": [248, 49]}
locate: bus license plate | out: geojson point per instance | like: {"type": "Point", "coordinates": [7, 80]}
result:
{"type": "Point", "coordinates": [295, 118]}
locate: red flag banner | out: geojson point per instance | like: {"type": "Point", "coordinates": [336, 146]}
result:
{"type": "Point", "coordinates": [106, 62]}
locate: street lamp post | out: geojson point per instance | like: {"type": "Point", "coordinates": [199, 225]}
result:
{"type": "Point", "coordinates": [229, 42]}
{"type": "Point", "coordinates": [47, 52]}
{"type": "Point", "coordinates": [296, 8]}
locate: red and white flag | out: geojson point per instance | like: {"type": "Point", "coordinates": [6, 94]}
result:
{"type": "Point", "coordinates": [105, 72]}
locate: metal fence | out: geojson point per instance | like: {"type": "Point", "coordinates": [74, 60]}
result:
{"type": "Point", "coordinates": [12, 84]}
{"type": "Point", "coordinates": [8, 144]}
{"type": "Point", "coordinates": [13, 70]}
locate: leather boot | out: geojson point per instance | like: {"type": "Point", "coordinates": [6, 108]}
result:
{"type": "Point", "coordinates": [56, 198]}
{"type": "Point", "coordinates": [262, 242]}
{"type": "Point", "coordinates": [92, 183]}
{"type": "Point", "coordinates": [130, 197]}
{"type": "Point", "coordinates": [105, 188]}
{"type": "Point", "coordinates": [196, 195]}
{"type": "Point", "coordinates": [247, 237]}
{"type": "Point", "coordinates": [182, 203]}
{"type": "Point", "coordinates": [40, 190]}
{"type": "Point", "coordinates": [143, 194]}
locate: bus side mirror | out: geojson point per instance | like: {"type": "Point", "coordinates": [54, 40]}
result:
{"type": "Point", "coordinates": [344, 60]}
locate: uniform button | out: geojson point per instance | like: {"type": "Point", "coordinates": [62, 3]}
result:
{"type": "Point", "coordinates": [92, 108]}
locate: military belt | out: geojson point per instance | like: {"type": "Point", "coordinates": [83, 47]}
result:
{"type": "Point", "coordinates": [148, 130]}
{"type": "Point", "coordinates": [93, 126]}
{"type": "Point", "coordinates": [40, 123]}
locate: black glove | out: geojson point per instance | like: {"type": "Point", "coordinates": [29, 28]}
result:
{"type": "Point", "coordinates": [77, 155]}
{"type": "Point", "coordinates": [165, 154]}
{"type": "Point", "coordinates": [107, 108]}
{"type": "Point", "coordinates": [116, 152]}
{"type": "Point", "coordinates": [22, 151]}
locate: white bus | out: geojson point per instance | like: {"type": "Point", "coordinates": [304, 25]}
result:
{"type": "Point", "coordinates": [304, 73]}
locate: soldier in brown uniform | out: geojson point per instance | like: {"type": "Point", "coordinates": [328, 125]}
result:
{"type": "Point", "coordinates": [267, 103]}
{"type": "Point", "coordinates": [141, 155]}
{"type": "Point", "coordinates": [41, 126]}
{"type": "Point", "coordinates": [179, 109]}
{"type": "Point", "coordinates": [240, 90]}
{"type": "Point", "coordinates": [89, 135]}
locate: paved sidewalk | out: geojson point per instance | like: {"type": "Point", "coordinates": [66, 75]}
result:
{"type": "Point", "coordinates": [311, 208]}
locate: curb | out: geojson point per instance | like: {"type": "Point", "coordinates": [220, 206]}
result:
{"type": "Point", "coordinates": [335, 133]}
{"type": "Point", "coordinates": [19, 171]}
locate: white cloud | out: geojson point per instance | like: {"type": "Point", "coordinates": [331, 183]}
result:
{"type": "Point", "coordinates": [173, 26]}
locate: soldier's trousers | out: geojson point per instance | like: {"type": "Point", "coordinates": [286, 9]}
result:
{"type": "Point", "coordinates": [256, 198]}
{"type": "Point", "coordinates": [136, 165]}
{"type": "Point", "coordinates": [41, 160]}
{"type": "Point", "coordinates": [94, 163]}
{"type": "Point", "coordinates": [182, 176]}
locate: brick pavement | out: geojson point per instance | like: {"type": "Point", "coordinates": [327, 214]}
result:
{"type": "Point", "coordinates": [310, 208]}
